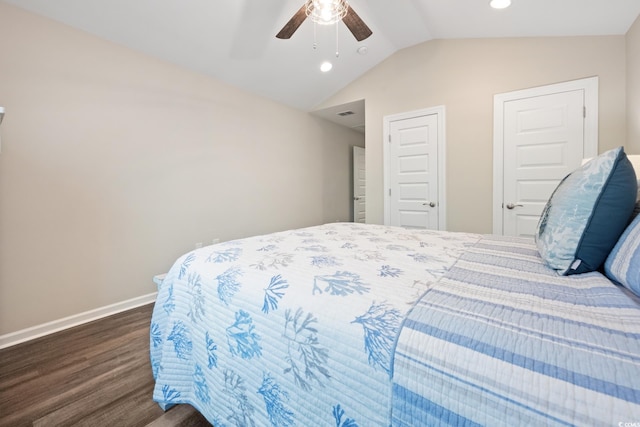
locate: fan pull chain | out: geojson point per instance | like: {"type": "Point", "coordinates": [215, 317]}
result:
{"type": "Point", "coordinates": [337, 50]}
{"type": "Point", "coordinates": [315, 42]}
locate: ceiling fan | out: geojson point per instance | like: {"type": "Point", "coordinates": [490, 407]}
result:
{"type": "Point", "coordinates": [326, 12]}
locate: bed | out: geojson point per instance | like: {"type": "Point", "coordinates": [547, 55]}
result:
{"type": "Point", "coordinates": [368, 325]}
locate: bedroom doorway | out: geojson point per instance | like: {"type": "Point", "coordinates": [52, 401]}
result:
{"type": "Point", "coordinates": [540, 136]}
{"type": "Point", "coordinates": [414, 169]}
{"type": "Point", "coordinates": [359, 185]}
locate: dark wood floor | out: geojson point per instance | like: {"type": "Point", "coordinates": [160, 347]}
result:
{"type": "Point", "coordinates": [97, 374]}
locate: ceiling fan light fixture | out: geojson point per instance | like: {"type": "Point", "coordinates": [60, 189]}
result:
{"type": "Point", "coordinates": [500, 4]}
{"type": "Point", "coordinates": [335, 11]}
{"type": "Point", "coordinates": [326, 12]}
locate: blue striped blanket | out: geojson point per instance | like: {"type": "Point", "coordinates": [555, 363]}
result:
{"type": "Point", "coordinates": [501, 340]}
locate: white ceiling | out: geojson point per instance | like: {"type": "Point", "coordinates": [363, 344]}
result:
{"type": "Point", "coordinates": [234, 40]}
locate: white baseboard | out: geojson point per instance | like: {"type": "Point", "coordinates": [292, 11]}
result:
{"type": "Point", "coordinates": [38, 331]}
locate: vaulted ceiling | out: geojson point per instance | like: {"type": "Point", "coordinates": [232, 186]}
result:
{"type": "Point", "coordinates": [234, 40]}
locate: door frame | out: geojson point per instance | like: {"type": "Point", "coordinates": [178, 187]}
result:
{"type": "Point", "coordinates": [354, 175]}
{"type": "Point", "coordinates": [590, 144]}
{"type": "Point", "coordinates": [440, 112]}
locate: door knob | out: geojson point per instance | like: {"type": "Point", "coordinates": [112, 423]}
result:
{"type": "Point", "coordinates": [356, 198]}
{"type": "Point", "coordinates": [511, 206]}
{"type": "Point", "coordinates": [432, 204]}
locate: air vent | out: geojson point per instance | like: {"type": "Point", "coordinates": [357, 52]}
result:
{"type": "Point", "coordinates": [345, 113]}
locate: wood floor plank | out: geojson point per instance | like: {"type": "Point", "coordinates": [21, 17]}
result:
{"type": "Point", "coordinates": [70, 381]}
{"type": "Point", "coordinates": [182, 416]}
{"type": "Point", "coordinates": [97, 374]}
{"type": "Point", "coordinates": [133, 409]}
{"type": "Point", "coordinates": [85, 400]}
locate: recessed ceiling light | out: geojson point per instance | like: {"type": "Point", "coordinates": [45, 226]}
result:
{"type": "Point", "coordinates": [500, 4]}
{"type": "Point", "coordinates": [326, 66]}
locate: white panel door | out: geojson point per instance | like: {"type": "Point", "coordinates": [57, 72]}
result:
{"type": "Point", "coordinates": [359, 184]}
{"type": "Point", "coordinates": [413, 172]}
{"type": "Point", "coordinates": [543, 143]}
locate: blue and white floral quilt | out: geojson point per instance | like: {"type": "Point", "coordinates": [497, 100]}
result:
{"type": "Point", "coordinates": [295, 328]}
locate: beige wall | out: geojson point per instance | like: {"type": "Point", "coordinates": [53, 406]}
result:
{"type": "Point", "coordinates": [633, 88]}
{"type": "Point", "coordinates": [114, 163]}
{"type": "Point", "coordinates": [464, 75]}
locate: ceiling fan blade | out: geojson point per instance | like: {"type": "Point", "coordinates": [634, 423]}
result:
{"type": "Point", "coordinates": [356, 25]}
{"type": "Point", "coordinates": [290, 27]}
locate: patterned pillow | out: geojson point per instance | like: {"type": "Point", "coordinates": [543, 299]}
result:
{"type": "Point", "coordinates": [623, 264]}
{"type": "Point", "coordinates": [587, 213]}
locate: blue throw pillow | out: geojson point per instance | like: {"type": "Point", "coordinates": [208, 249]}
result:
{"type": "Point", "coordinates": [623, 263]}
{"type": "Point", "coordinates": [587, 213]}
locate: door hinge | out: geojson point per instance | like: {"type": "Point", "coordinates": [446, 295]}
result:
{"type": "Point", "coordinates": [389, 138]}
{"type": "Point", "coordinates": [584, 112]}
{"type": "Point", "coordinates": [389, 192]}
